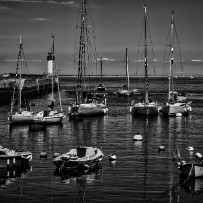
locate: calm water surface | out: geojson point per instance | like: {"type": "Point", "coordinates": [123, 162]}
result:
{"type": "Point", "coordinates": [140, 174]}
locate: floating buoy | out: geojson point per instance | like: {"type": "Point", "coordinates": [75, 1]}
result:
{"type": "Point", "coordinates": [179, 115]}
{"type": "Point", "coordinates": [178, 164]}
{"type": "Point", "coordinates": [113, 162]}
{"type": "Point", "coordinates": [112, 157]}
{"type": "Point", "coordinates": [190, 148]}
{"type": "Point", "coordinates": [161, 148]}
{"type": "Point", "coordinates": [137, 138]}
{"type": "Point", "coordinates": [43, 154]}
{"type": "Point", "coordinates": [56, 154]}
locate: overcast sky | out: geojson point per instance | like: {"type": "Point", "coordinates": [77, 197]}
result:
{"type": "Point", "coordinates": [117, 24]}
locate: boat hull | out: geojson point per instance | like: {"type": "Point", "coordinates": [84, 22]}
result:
{"type": "Point", "coordinates": [192, 169]}
{"type": "Point", "coordinates": [79, 159]}
{"type": "Point", "coordinates": [20, 119]}
{"type": "Point", "coordinates": [172, 110]}
{"type": "Point", "coordinates": [46, 117]}
{"type": "Point", "coordinates": [52, 119]}
{"type": "Point", "coordinates": [87, 111]}
{"type": "Point", "coordinates": [144, 110]}
{"type": "Point", "coordinates": [14, 161]}
{"type": "Point", "coordinates": [125, 93]}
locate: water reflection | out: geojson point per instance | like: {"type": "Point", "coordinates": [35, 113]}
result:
{"type": "Point", "coordinates": [9, 175]}
{"type": "Point", "coordinates": [88, 132]}
{"type": "Point", "coordinates": [191, 185]}
{"type": "Point", "coordinates": [80, 180]}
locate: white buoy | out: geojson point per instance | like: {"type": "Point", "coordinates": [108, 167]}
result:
{"type": "Point", "coordinates": [190, 148]}
{"type": "Point", "coordinates": [43, 154]}
{"type": "Point", "coordinates": [56, 154]}
{"type": "Point", "coordinates": [137, 138]}
{"type": "Point", "coordinates": [179, 115]}
{"type": "Point", "coordinates": [161, 148]}
{"type": "Point", "coordinates": [113, 162]}
{"type": "Point", "coordinates": [112, 157]}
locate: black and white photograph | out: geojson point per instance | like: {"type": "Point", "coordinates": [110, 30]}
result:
{"type": "Point", "coordinates": [101, 101]}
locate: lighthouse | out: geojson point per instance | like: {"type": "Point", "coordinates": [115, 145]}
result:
{"type": "Point", "coordinates": [50, 59]}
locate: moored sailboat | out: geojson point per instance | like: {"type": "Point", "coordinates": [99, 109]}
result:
{"type": "Point", "coordinates": [54, 114]}
{"type": "Point", "coordinates": [176, 104]}
{"type": "Point", "coordinates": [126, 91]}
{"type": "Point", "coordinates": [145, 107]}
{"type": "Point", "coordinates": [23, 113]}
{"type": "Point", "coordinates": [101, 86]}
{"type": "Point", "coordinates": [86, 104]}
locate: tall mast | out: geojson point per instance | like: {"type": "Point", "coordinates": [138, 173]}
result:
{"type": "Point", "coordinates": [171, 82]}
{"type": "Point", "coordinates": [101, 73]}
{"type": "Point", "coordinates": [127, 70]}
{"type": "Point", "coordinates": [145, 55]}
{"type": "Point", "coordinates": [20, 55]}
{"type": "Point", "coordinates": [81, 57]}
{"type": "Point", "coordinates": [52, 75]}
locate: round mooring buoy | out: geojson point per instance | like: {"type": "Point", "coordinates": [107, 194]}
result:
{"type": "Point", "coordinates": [161, 148]}
{"type": "Point", "coordinates": [179, 115]}
{"type": "Point", "coordinates": [137, 138]}
{"type": "Point", "coordinates": [190, 148]}
{"type": "Point", "coordinates": [113, 162]}
{"type": "Point", "coordinates": [112, 157]}
{"type": "Point", "coordinates": [56, 154]}
{"type": "Point", "coordinates": [43, 154]}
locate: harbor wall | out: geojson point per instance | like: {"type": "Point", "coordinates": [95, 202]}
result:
{"type": "Point", "coordinates": [32, 87]}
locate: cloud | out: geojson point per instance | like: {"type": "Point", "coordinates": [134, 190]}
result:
{"type": "Point", "coordinates": [107, 59]}
{"type": "Point", "coordinates": [15, 60]}
{"type": "Point", "coordinates": [40, 19]}
{"type": "Point", "coordinates": [197, 60]}
{"type": "Point", "coordinates": [62, 2]}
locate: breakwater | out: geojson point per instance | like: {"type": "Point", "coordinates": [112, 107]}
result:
{"type": "Point", "coordinates": [31, 87]}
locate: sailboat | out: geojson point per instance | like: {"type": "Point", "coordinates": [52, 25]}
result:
{"type": "Point", "coordinates": [176, 104]}
{"type": "Point", "coordinates": [86, 104]}
{"type": "Point", "coordinates": [101, 87]}
{"type": "Point", "coordinates": [53, 114]}
{"type": "Point", "coordinates": [22, 113]}
{"type": "Point", "coordinates": [126, 91]}
{"type": "Point", "coordinates": [146, 107]}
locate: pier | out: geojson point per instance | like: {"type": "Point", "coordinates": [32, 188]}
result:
{"type": "Point", "coordinates": [33, 86]}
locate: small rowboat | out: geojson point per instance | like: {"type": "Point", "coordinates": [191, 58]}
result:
{"type": "Point", "coordinates": [10, 158]}
{"type": "Point", "coordinates": [79, 159]}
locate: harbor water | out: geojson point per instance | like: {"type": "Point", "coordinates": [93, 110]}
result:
{"type": "Point", "coordinates": [141, 172]}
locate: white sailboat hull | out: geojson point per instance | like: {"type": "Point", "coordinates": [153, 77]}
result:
{"type": "Point", "coordinates": [23, 117]}
{"type": "Point", "coordinates": [144, 109]}
{"type": "Point", "coordinates": [173, 109]}
{"type": "Point", "coordinates": [126, 93]}
{"type": "Point", "coordinates": [87, 110]}
{"type": "Point", "coordinates": [51, 117]}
